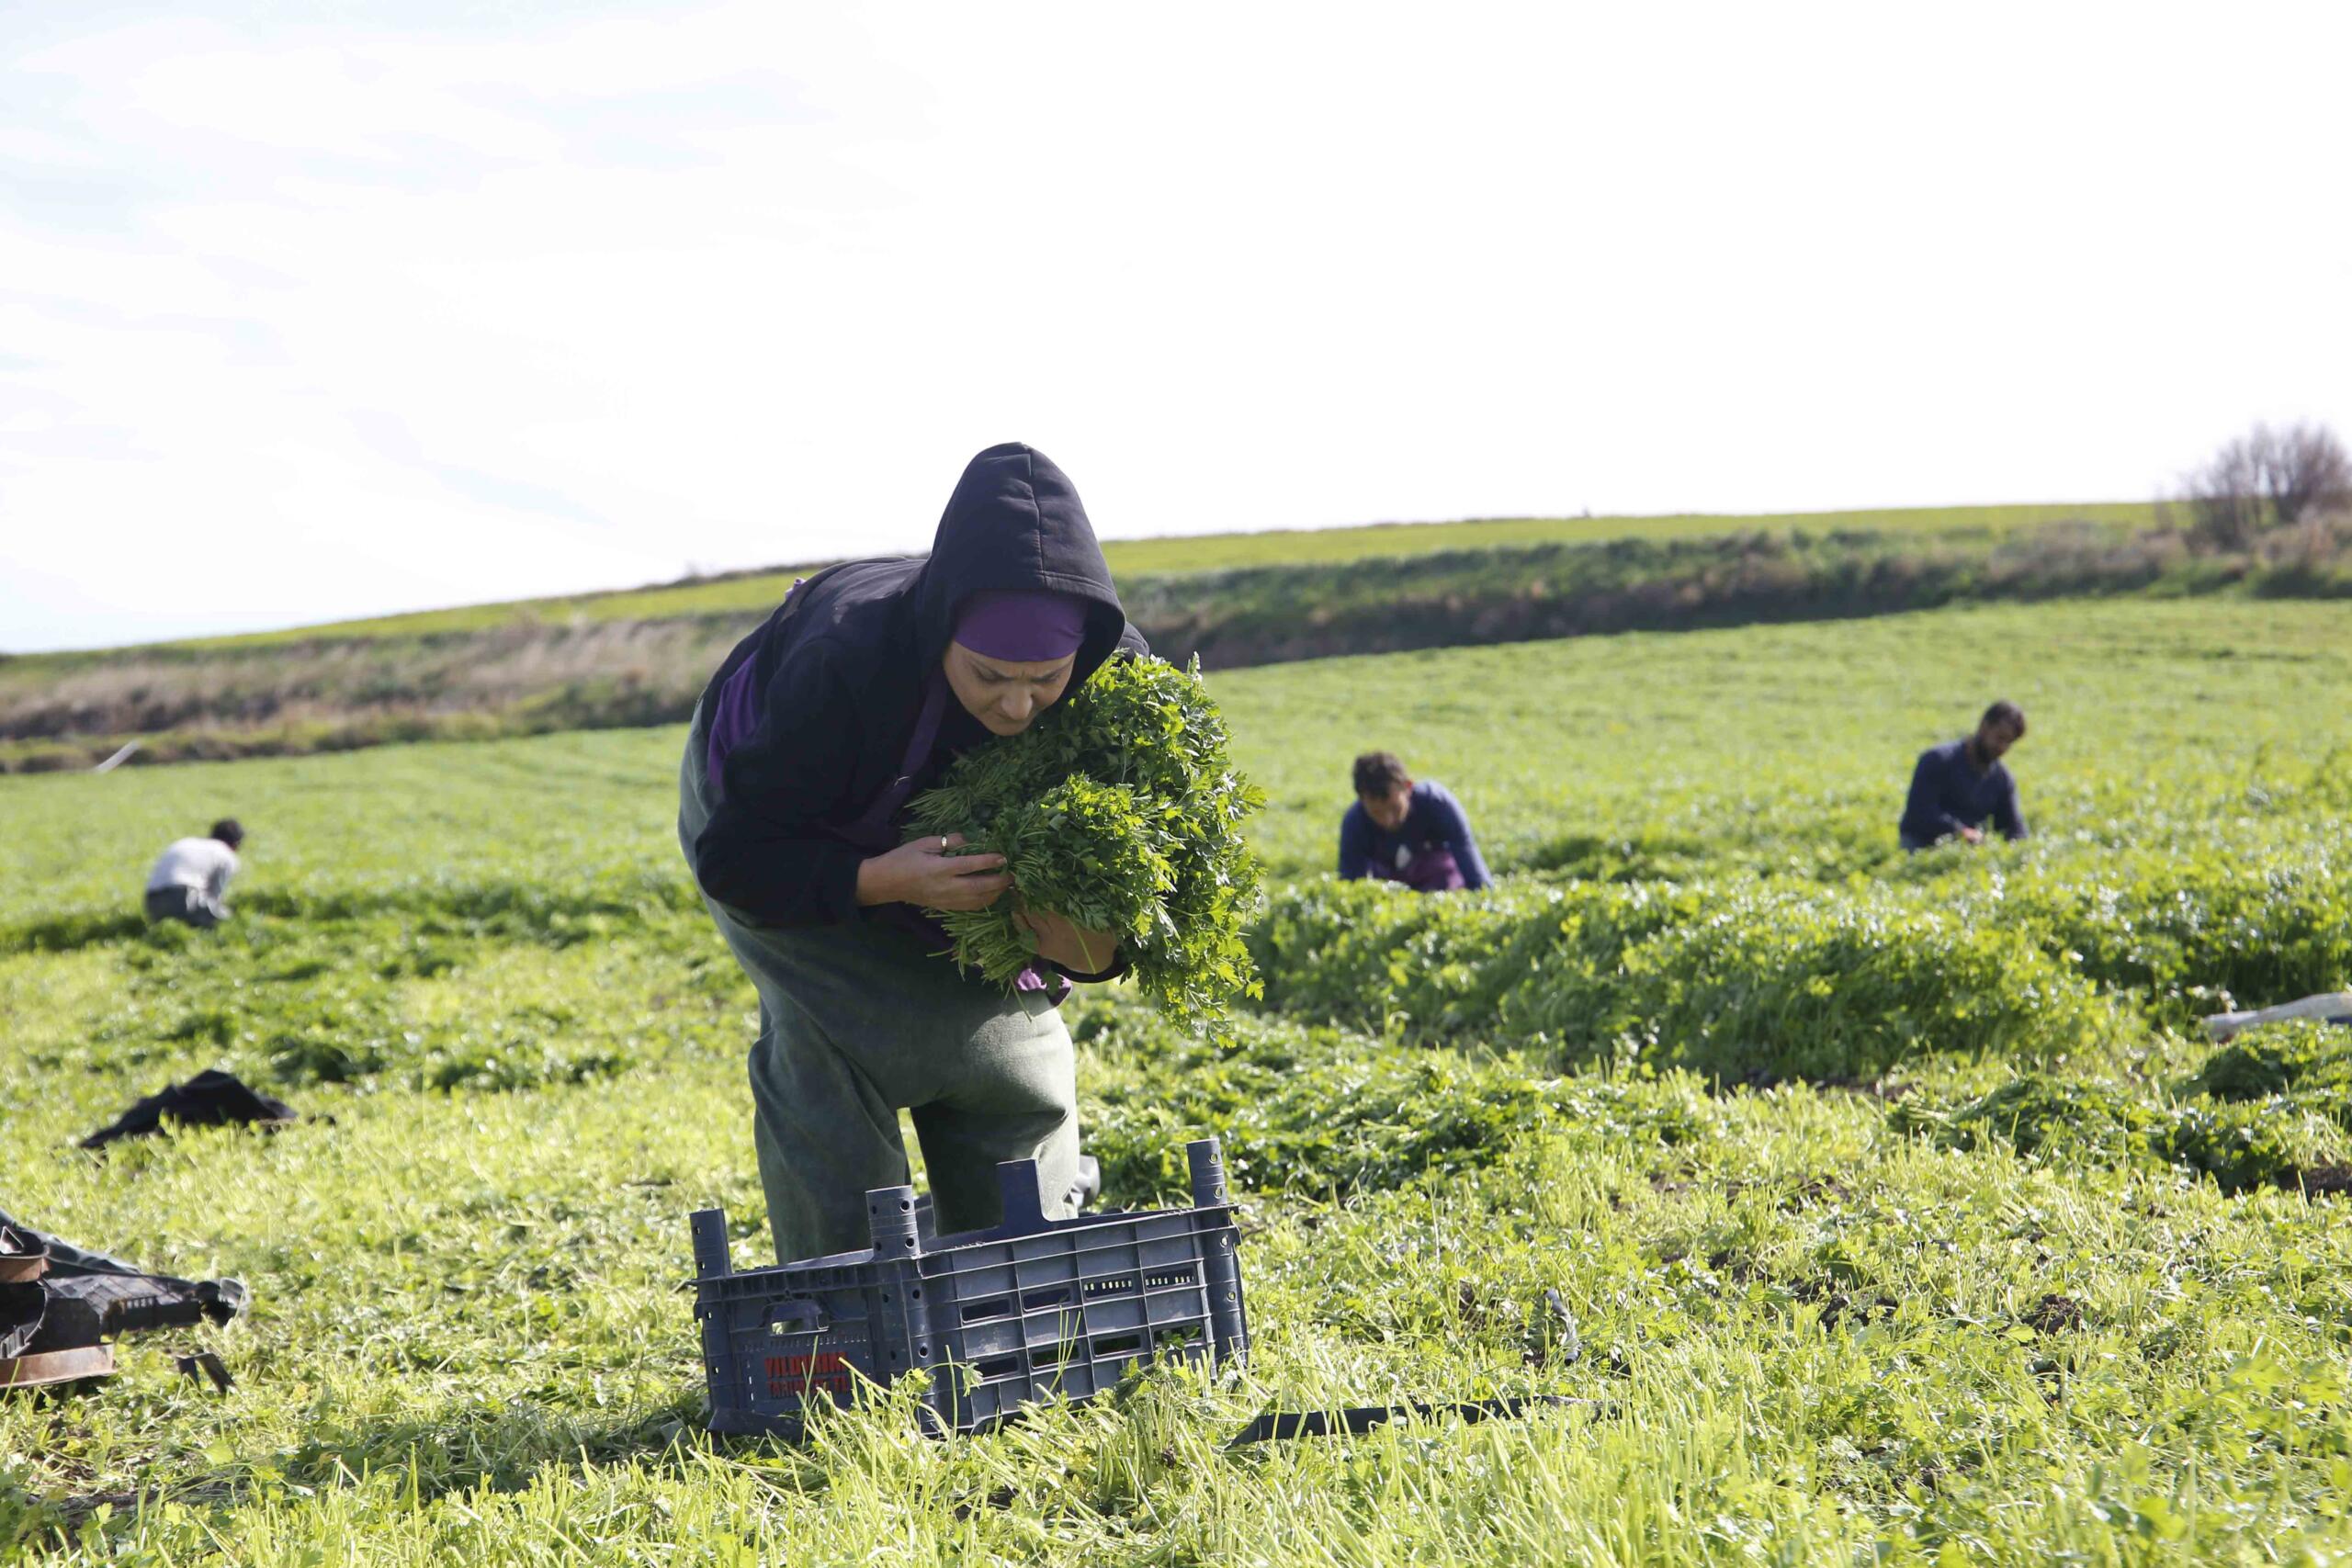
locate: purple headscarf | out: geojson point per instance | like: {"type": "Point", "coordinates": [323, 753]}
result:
{"type": "Point", "coordinates": [1022, 626]}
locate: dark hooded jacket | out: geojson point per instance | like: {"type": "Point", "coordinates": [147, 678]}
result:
{"type": "Point", "coordinates": [840, 671]}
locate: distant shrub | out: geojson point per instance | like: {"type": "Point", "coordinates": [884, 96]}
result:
{"type": "Point", "coordinates": [2267, 479]}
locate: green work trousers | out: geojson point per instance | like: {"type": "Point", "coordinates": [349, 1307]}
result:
{"type": "Point", "coordinates": [858, 1021]}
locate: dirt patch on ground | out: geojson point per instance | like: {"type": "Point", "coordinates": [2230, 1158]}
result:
{"type": "Point", "coordinates": [1811, 1191]}
{"type": "Point", "coordinates": [2054, 1314]}
{"type": "Point", "coordinates": [1840, 1305]}
{"type": "Point", "coordinates": [1817, 1189]}
{"type": "Point", "coordinates": [2327, 1180]}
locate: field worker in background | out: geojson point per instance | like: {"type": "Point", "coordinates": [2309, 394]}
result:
{"type": "Point", "coordinates": [1961, 784]}
{"type": "Point", "coordinates": [807, 745]}
{"type": "Point", "coordinates": [1402, 831]}
{"type": "Point", "coordinates": [191, 877]}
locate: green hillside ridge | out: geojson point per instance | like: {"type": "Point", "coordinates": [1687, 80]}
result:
{"type": "Point", "coordinates": [535, 674]}
{"type": "Point", "coordinates": [735, 592]}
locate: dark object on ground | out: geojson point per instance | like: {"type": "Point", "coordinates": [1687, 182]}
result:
{"type": "Point", "coordinates": [21, 1258]}
{"type": "Point", "coordinates": [189, 906]}
{"type": "Point", "coordinates": [1280, 1426]}
{"type": "Point", "coordinates": [45, 1368]}
{"type": "Point", "coordinates": [59, 1304]}
{"type": "Point", "coordinates": [138, 1303]}
{"type": "Point", "coordinates": [1033, 1309]}
{"type": "Point", "coordinates": [206, 1363]}
{"type": "Point", "coordinates": [209, 1099]}
{"type": "Point", "coordinates": [2321, 1181]}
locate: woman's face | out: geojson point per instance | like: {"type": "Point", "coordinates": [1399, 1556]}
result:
{"type": "Point", "coordinates": [1004, 697]}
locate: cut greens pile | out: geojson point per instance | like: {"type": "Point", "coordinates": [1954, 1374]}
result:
{"type": "Point", "coordinates": [1119, 809]}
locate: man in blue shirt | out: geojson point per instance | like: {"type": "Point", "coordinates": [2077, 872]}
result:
{"type": "Point", "coordinates": [1961, 784]}
{"type": "Point", "coordinates": [1402, 831]}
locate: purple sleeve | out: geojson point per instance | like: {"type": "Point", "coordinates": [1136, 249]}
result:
{"type": "Point", "coordinates": [737, 717]}
{"type": "Point", "coordinates": [1452, 825]}
{"type": "Point", "coordinates": [763, 852]}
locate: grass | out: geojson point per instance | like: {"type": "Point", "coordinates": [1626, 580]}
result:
{"type": "Point", "coordinates": [1815, 1326]}
{"type": "Point", "coordinates": [1766, 744]}
{"type": "Point", "coordinates": [1331, 545]}
{"type": "Point", "coordinates": [523, 675]}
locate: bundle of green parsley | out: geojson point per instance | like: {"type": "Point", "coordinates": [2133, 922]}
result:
{"type": "Point", "coordinates": [1119, 809]}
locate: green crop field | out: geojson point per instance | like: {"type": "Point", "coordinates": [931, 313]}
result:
{"type": "Point", "coordinates": [1895, 1210]}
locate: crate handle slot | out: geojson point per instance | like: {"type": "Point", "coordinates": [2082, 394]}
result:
{"type": "Point", "coordinates": [807, 1317]}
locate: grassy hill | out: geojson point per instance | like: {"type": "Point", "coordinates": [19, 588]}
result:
{"type": "Point", "coordinates": [642, 657]}
{"type": "Point", "coordinates": [1884, 1209]}
{"type": "Point", "coordinates": [736, 594]}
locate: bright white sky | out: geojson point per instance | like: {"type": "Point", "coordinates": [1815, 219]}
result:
{"type": "Point", "coordinates": [314, 309]}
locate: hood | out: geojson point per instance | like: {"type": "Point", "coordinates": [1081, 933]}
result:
{"type": "Point", "coordinates": [1016, 522]}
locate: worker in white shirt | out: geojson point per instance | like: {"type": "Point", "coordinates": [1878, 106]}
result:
{"type": "Point", "coordinates": [191, 877]}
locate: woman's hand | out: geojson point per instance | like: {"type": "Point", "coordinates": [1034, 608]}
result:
{"type": "Point", "coordinates": [1067, 943]}
{"type": "Point", "coordinates": [925, 875]}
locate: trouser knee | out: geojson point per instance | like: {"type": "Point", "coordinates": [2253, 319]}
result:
{"type": "Point", "coordinates": [824, 1139]}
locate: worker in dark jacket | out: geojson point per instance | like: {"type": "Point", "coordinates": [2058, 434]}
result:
{"type": "Point", "coordinates": [1961, 786]}
{"type": "Point", "coordinates": [1402, 831]}
{"type": "Point", "coordinates": [809, 740]}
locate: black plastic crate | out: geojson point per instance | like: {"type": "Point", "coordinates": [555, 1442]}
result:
{"type": "Point", "coordinates": [1034, 1309]}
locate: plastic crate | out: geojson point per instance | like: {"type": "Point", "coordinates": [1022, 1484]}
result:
{"type": "Point", "coordinates": [1034, 1309]}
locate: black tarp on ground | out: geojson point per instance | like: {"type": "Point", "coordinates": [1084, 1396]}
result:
{"type": "Point", "coordinates": [211, 1099]}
